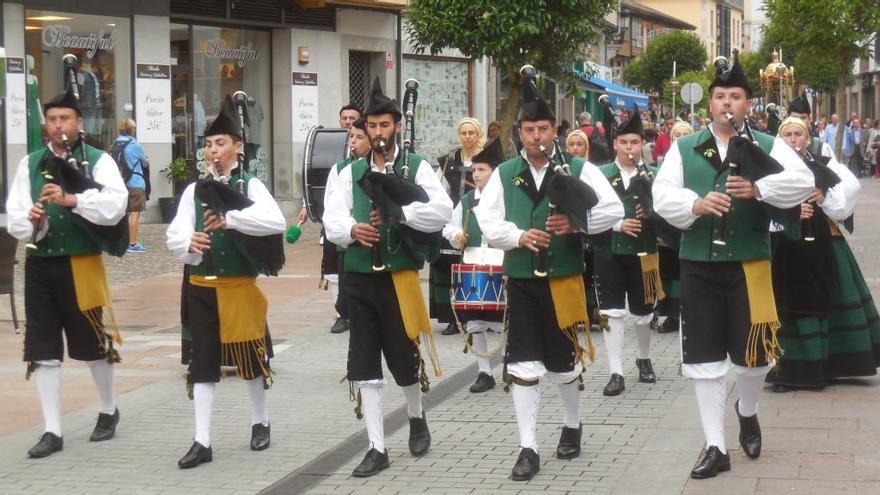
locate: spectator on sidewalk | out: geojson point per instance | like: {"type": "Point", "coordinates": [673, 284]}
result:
{"type": "Point", "coordinates": [136, 162]}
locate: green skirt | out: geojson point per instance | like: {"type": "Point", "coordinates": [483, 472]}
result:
{"type": "Point", "coordinates": [845, 344]}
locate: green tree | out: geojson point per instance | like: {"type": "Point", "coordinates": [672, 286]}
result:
{"type": "Point", "coordinates": [840, 29]}
{"type": "Point", "coordinates": [684, 78]}
{"type": "Point", "coordinates": [752, 64]}
{"type": "Point", "coordinates": [817, 72]}
{"type": "Point", "coordinates": [549, 34]}
{"type": "Point", "coordinates": [655, 67]}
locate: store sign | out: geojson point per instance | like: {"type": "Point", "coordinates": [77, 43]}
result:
{"type": "Point", "coordinates": [248, 52]}
{"type": "Point", "coordinates": [153, 89]}
{"type": "Point", "coordinates": [58, 36]}
{"type": "Point", "coordinates": [305, 104]}
{"type": "Point", "coordinates": [16, 101]}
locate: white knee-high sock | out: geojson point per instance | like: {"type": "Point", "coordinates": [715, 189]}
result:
{"type": "Point", "coordinates": [643, 334]}
{"type": "Point", "coordinates": [711, 398]}
{"type": "Point", "coordinates": [750, 385]}
{"type": "Point", "coordinates": [333, 284]}
{"type": "Point", "coordinates": [203, 399]}
{"type": "Point", "coordinates": [371, 405]}
{"type": "Point", "coordinates": [480, 344]}
{"type": "Point", "coordinates": [571, 403]}
{"type": "Point", "coordinates": [613, 342]}
{"type": "Point", "coordinates": [259, 410]}
{"type": "Point", "coordinates": [525, 403]}
{"type": "Point", "coordinates": [413, 395]}
{"type": "Point", "coordinates": [102, 374]}
{"type": "Point", "coordinates": [48, 380]}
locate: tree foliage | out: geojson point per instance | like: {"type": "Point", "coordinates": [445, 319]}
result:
{"type": "Point", "coordinates": [549, 34]}
{"type": "Point", "coordinates": [817, 72]}
{"type": "Point", "coordinates": [752, 64]}
{"type": "Point", "coordinates": [684, 78]}
{"type": "Point", "coordinates": [654, 67]}
{"type": "Point", "coordinates": [842, 30]}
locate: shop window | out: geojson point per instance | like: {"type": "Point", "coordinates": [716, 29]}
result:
{"type": "Point", "coordinates": [359, 79]}
{"type": "Point", "coordinates": [102, 46]}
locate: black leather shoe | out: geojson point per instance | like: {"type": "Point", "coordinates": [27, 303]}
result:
{"type": "Point", "coordinates": [340, 325]}
{"type": "Point", "coordinates": [260, 436]}
{"type": "Point", "coordinates": [419, 436]}
{"type": "Point", "coordinates": [484, 382]}
{"type": "Point", "coordinates": [49, 444]}
{"type": "Point", "coordinates": [569, 442]}
{"type": "Point", "coordinates": [669, 325]}
{"type": "Point", "coordinates": [615, 386]}
{"type": "Point", "coordinates": [646, 371]}
{"type": "Point", "coordinates": [749, 434]}
{"type": "Point", "coordinates": [527, 465]}
{"type": "Point", "coordinates": [373, 462]}
{"type": "Point", "coordinates": [105, 428]}
{"type": "Point", "coordinates": [197, 454]}
{"type": "Point", "coordinates": [451, 329]}
{"type": "Point", "coordinates": [712, 463]}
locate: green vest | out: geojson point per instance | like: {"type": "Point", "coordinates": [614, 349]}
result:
{"type": "Point", "coordinates": [396, 255]}
{"type": "Point", "coordinates": [66, 235]}
{"type": "Point", "coordinates": [229, 260]}
{"type": "Point", "coordinates": [566, 253]}
{"type": "Point", "coordinates": [474, 235]}
{"type": "Point", "coordinates": [340, 166]}
{"type": "Point", "coordinates": [610, 242]}
{"type": "Point", "coordinates": [747, 224]}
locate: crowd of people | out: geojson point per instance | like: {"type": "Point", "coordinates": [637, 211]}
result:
{"type": "Point", "coordinates": [733, 236]}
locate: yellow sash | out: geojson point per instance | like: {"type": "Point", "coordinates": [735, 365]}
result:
{"type": "Point", "coordinates": [93, 296]}
{"type": "Point", "coordinates": [570, 304]}
{"type": "Point", "coordinates": [413, 312]}
{"type": "Point", "coordinates": [762, 307]}
{"type": "Point", "coordinates": [241, 309]}
{"type": "Point", "coordinates": [651, 278]}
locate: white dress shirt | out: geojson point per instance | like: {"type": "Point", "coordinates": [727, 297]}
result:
{"type": "Point", "coordinates": [841, 200]}
{"type": "Point", "coordinates": [260, 219]}
{"type": "Point", "coordinates": [455, 227]}
{"type": "Point", "coordinates": [504, 234]}
{"type": "Point", "coordinates": [675, 203]}
{"type": "Point", "coordinates": [430, 216]}
{"type": "Point", "coordinates": [625, 177]}
{"type": "Point", "coordinates": [104, 207]}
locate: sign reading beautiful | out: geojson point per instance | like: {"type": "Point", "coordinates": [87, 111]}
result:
{"type": "Point", "coordinates": [58, 36]}
{"type": "Point", "coordinates": [247, 52]}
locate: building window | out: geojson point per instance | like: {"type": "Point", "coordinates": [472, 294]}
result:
{"type": "Point", "coordinates": [724, 24]}
{"type": "Point", "coordinates": [359, 79]}
{"type": "Point", "coordinates": [102, 46]}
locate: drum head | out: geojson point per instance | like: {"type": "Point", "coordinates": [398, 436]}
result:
{"type": "Point", "coordinates": [324, 147]}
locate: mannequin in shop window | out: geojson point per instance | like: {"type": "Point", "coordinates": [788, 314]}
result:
{"type": "Point", "coordinates": [90, 99]}
{"type": "Point", "coordinates": [35, 117]}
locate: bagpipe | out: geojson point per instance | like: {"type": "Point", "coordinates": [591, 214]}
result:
{"type": "Point", "coordinates": [567, 195]}
{"type": "Point", "coordinates": [825, 179]}
{"type": "Point", "coordinates": [265, 253]}
{"type": "Point", "coordinates": [75, 177]}
{"type": "Point", "coordinates": [389, 191]}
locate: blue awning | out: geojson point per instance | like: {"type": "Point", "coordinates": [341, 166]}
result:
{"type": "Point", "coordinates": [622, 98]}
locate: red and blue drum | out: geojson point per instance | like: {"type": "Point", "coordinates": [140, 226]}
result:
{"type": "Point", "coordinates": [478, 288]}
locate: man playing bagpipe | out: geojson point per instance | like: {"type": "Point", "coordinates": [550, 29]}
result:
{"type": "Point", "coordinates": [462, 232]}
{"type": "Point", "coordinates": [69, 200]}
{"type": "Point", "coordinates": [625, 258]}
{"type": "Point", "coordinates": [388, 208]}
{"type": "Point", "coordinates": [717, 186]}
{"type": "Point", "coordinates": [228, 228]}
{"type": "Point", "coordinates": [544, 262]}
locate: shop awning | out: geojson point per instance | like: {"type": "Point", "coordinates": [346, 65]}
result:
{"type": "Point", "coordinates": [622, 98]}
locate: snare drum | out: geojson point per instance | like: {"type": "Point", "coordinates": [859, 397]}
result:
{"type": "Point", "coordinates": [478, 288]}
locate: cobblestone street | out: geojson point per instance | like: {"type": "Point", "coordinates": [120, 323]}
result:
{"type": "Point", "coordinates": [643, 441]}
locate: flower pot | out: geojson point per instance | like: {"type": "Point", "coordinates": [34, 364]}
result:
{"type": "Point", "coordinates": [168, 208]}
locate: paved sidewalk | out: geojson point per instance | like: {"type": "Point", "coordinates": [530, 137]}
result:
{"type": "Point", "coordinates": [644, 441]}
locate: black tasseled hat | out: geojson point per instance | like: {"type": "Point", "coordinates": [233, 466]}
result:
{"type": "Point", "coordinates": [800, 105]}
{"type": "Point", "coordinates": [64, 100]}
{"type": "Point", "coordinates": [731, 76]}
{"type": "Point", "coordinates": [632, 125]}
{"type": "Point", "coordinates": [380, 104]}
{"type": "Point", "coordinates": [226, 121]}
{"type": "Point", "coordinates": [491, 155]}
{"type": "Point", "coordinates": [532, 106]}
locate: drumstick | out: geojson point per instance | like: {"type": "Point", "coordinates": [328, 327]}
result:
{"type": "Point", "coordinates": [467, 216]}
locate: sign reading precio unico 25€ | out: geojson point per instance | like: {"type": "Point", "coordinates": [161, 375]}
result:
{"type": "Point", "coordinates": [61, 36]}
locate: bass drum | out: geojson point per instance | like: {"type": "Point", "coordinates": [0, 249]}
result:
{"type": "Point", "coordinates": [324, 147]}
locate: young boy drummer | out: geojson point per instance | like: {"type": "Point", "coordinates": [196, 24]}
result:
{"type": "Point", "coordinates": [463, 231]}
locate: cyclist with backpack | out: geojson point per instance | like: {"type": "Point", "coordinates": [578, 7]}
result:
{"type": "Point", "coordinates": [133, 167]}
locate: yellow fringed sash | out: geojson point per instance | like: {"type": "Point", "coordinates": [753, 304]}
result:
{"type": "Point", "coordinates": [93, 296]}
{"type": "Point", "coordinates": [241, 308]}
{"type": "Point", "coordinates": [835, 229]}
{"type": "Point", "coordinates": [762, 308]}
{"type": "Point", "coordinates": [413, 312]}
{"type": "Point", "coordinates": [570, 303]}
{"type": "Point", "coordinates": [651, 278]}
